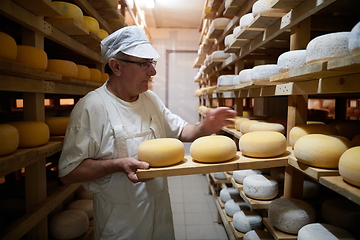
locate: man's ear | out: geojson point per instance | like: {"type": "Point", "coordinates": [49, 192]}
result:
{"type": "Point", "coordinates": [115, 66]}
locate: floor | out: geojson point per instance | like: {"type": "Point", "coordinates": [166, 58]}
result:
{"type": "Point", "coordinates": [194, 210]}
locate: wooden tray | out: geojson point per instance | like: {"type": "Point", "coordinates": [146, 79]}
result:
{"type": "Point", "coordinates": [189, 166]}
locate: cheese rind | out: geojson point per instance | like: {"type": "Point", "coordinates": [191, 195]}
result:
{"type": "Point", "coordinates": [83, 72]}
{"type": "Point", "coordinates": [245, 221]}
{"type": "Point", "coordinates": [64, 67]}
{"type": "Point", "coordinates": [85, 205]}
{"type": "Point", "coordinates": [320, 231]}
{"type": "Point", "coordinates": [263, 73]}
{"type": "Point", "coordinates": [291, 59]}
{"type": "Point", "coordinates": [231, 207]}
{"type": "Point", "coordinates": [32, 56]}
{"type": "Point", "coordinates": [258, 235]}
{"type": "Point", "coordinates": [354, 43]}
{"type": "Point", "coordinates": [32, 133]}
{"type": "Point", "coordinates": [229, 193]}
{"type": "Point", "coordinates": [9, 139]}
{"type": "Point", "coordinates": [261, 187]}
{"type": "Point", "coordinates": [264, 126]}
{"type": "Point", "coordinates": [349, 166]}
{"type": "Point", "coordinates": [240, 175]}
{"type": "Point", "coordinates": [95, 75]}
{"type": "Point", "coordinates": [8, 47]}
{"type": "Point", "coordinates": [57, 125]}
{"type": "Point", "coordinates": [92, 24]}
{"type": "Point", "coordinates": [246, 19]}
{"type": "Point", "coordinates": [69, 10]}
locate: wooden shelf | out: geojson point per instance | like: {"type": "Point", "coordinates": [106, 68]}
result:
{"type": "Point", "coordinates": [220, 181]}
{"type": "Point", "coordinates": [69, 26]}
{"type": "Point", "coordinates": [236, 185]}
{"type": "Point", "coordinates": [277, 234]}
{"type": "Point", "coordinates": [40, 7]}
{"type": "Point", "coordinates": [258, 204]}
{"type": "Point", "coordinates": [337, 184]}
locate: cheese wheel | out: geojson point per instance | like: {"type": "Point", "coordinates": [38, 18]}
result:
{"type": "Point", "coordinates": [92, 24]}
{"type": "Point", "coordinates": [262, 144]}
{"type": "Point", "coordinates": [57, 125]}
{"type": "Point", "coordinates": [238, 122]}
{"type": "Point", "coordinates": [264, 126]}
{"type": "Point", "coordinates": [246, 19]}
{"type": "Point", "coordinates": [32, 56]}
{"type": "Point", "coordinates": [245, 221]}
{"type": "Point", "coordinates": [264, 6]}
{"type": "Point", "coordinates": [220, 54]}
{"type": "Point", "coordinates": [245, 75]}
{"type": "Point", "coordinates": [116, 23]}
{"type": "Point", "coordinates": [229, 193]}
{"type": "Point", "coordinates": [327, 47]}
{"type": "Point", "coordinates": [236, 31]}
{"type": "Point", "coordinates": [9, 139]}
{"type": "Point", "coordinates": [261, 187]}
{"type": "Point", "coordinates": [220, 175]}
{"type": "Point", "coordinates": [245, 125]}
{"type": "Point", "coordinates": [240, 175]}
{"type": "Point", "coordinates": [161, 152]}
{"type": "Point", "coordinates": [321, 231]}
{"type": "Point", "coordinates": [69, 10]}
{"type": "Point", "coordinates": [211, 149]}
{"type": "Point", "coordinates": [83, 72]}
{"type": "Point", "coordinates": [347, 128]}
{"type": "Point", "coordinates": [229, 39]}
{"type": "Point", "coordinates": [64, 67]}
{"type": "Point", "coordinates": [231, 207]}
{"type": "Point", "coordinates": [32, 133]}
{"type": "Point", "coordinates": [258, 235]}
{"type": "Point", "coordinates": [306, 129]}
{"type": "Point", "coordinates": [83, 194]}
{"type": "Point", "coordinates": [85, 205]}
{"type": "Point", "coordinates": [349, 166]}
{"type": "Point", "coordinates": [69, 224]}
{"type": "Point", "coordinates": [289, 214]}
{"type": "Point", "coordinates": [319, 150]}
{"type": "Point", "coordinates": [219, 23]}
{"type": "Point", "coordinates": [103, 34]}
{"type": "Point", "coordinates": [354, 43]}
{"type": "Point", "coordinates": [356, 140]}
{"type": "Point", "coordinates": [291, 59]}
{"type": "Point", "coordinates": [8, 47]}
{"type": "Point", "coordinates": [95, 75]}
{"type": "Point", "coordinates": [264, 72]}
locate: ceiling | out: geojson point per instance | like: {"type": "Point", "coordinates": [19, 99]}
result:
{"type": "Point", "coordinates": [173, 13]}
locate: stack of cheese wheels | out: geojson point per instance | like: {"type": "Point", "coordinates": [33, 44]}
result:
{"type": "Point", "coordinates": [240, 175]}
{"type": "Point", "coordinates": [258, 235]}
{"type": "Point", "coordinates": [291, 59]}
{"type": "Point", "coordinates": [320, 231]}
{"type": "Point", "coordinates": [245, 221]}
{"type": "Point", "coordinates": [245, 75]}
{"type": "Point", "coordinates": [161, 152]}
{"type": "Point", "coordinates": [9, 139]}
{"type": "Point", "coordinates": [32, 133]}
{"type": "Point", "coordinates": [262, 144]}
{"type": "Point", "coordinates": [265, 126]}
{"type": "Point", "coordinates": [238, 122]}
{"type": "Point", "coordinates": [354, 43]}
{"type": "Point", "coordinates": [95, 75]}
{"type": "Point", "coordinates": [319, 150]}
{"type": "Point", "coordinates": [349, 166]}
{"type": "Point", "coordinates": [343, 213]}
{"type": "Point", "coordinates": [305, 129]}
{"type": "Point", "coordinates": [212, 149]}
{"type": "Point", "coordinates": [327, 47]}
{"type": "Point", "coordinates": [261, 187]}
{"type": "Point", "coordinates": [57, 125]}
{"type": "Point", "coordinates": [8, 47]}
{"type": "Point", "coordinates": [92, 24]}
{"type": "Point", "coordinates": [262, 73]}
{"type": "Point", "coordinates": [231, 207]}
{"type": "Point", "coordinates": [85, 205]}
{"type": "Point", "coordinates": [289, 214]}
{"type": "Point", "coordinates": [229, 193]}
{"type": "Point", "coordinates": [66, 68]}
{"type": "Point", "coordinates": [69, 10]}
{"type": "Point", "coordinates": [32, 56]}
{"type": "Point", "coordinates": [69, 224]}
{"type": "Point", "coordinates": [245, 126]}
{"type": "Point", "coordinates": [83, 72]}
{"type": "Point", "coordinates": [245, 20]}
{"type": "Point", "coordinates": [347, 128]}
{"type": "Point", "coordinates": [264, 6]}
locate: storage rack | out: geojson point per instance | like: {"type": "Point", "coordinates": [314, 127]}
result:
{"type": "Point", "coordinates": [263, 41]}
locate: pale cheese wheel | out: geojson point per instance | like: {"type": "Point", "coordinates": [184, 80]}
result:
{"type": "Point", "coordinates": [231, 207]}
{"type": "Point", "coordinates": [319, 150]}
{"type": "Point", "coordinates": [246, 19]}
{"type": "Point", "coordinates": [69, 224]}
{"type": "Point", "coordinates": [92, 24]}
{"type": "Point", "coordinates": [8, 47]}
{"type": "Point", "coordinates": [238, 122]}
{"type": "Point", "coordinates": [220, 175]}
{"type": "Point", "coordinates": [291, 59]}
{"type": "Point", "coordinates": [306, 129]}
{"type": "Point", "coordinates": [229, 193]}
{"type": "Point", "coordinates": [245, 221]}
{"type": "Point", "coordinates": [83, 72]}
{"type": "Point", "coordinates": [236, 80]}
{"type": "Point", "coordinates": [240, 175]}
{"type": "Point", "coordinates": [32, 56]}
{"type": "Point", "coordinates": [258, 235]}
{"type": "Point", "coordinates": [103, 34]}
{"type": "Point", "coordinates": [161, 152]}
{"type": "Point", "coordinates": [327, 47]}
{"type": "Point", "coordinates": [321, 231]}
{"type": "Point", "coordinates": [236, 31]}
{"type": "Point", "coordinates": [264, 6]}
{"type": "Point", "coordinates": [229, 39]}
{"type": "Point", "coordinates": [32, 133]}
{"type": "Point", "coordinates": [349, 166]}
{"type": "Point", "coordinates": [260, 187]}
{"type": "Point", "coordinates": [245, 75]}
{"type": "Point", "coordinates": [265, 126]}
{"type": "Point", "coordinates": [57, 125]}
{"type": "Point", "coordinates": [66, 68]}
{"type": "Point", "coordinates": [85, 205]}
{"type": "Point", "coordinates": [354, 40]}
{"type": "Point", "coordinates": [262, 144]}
{"type": "Point", "coordinates": [356, 140]}
{"type": "Point", "coordinates": [245, 126]}
{"type": "Point", "coordinates": [69, 10]}
{"type": "Point", "coordinates": [289, 214]}
{"type": "Point", "coordinates": [95, 75]}
{"type": "Point", "coordinates": [220, 54]}
{"type": "Point", "coordinates": [219, 22]}
{"type": "Point", "coordinates": [262, 73]}
{"type": "Point", "coordinates": [9, 139]}
{"type": "Point", "coordinates": [211, 149]}
{"type": "Point", "coordinates": [347, 128]}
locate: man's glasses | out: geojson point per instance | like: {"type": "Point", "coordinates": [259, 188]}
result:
{"type": "Point", "coordinates": [143, 65]}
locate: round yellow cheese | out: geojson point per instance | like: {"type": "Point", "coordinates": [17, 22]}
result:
{"type": "Point", "coordinates": [32, 56]}
{"type": "Point", "coordinates": [92, 24]}
{"type": "Point", "coordinates": [347, 128]}
{"type": "Point", "coordinates": [85, 205]}
{"type": "Point", "coordinates": [57, 125]}
{"type": "Point", "coordinates": [103, 34]}
{"type": "Point", "coordinates": [349, 166]}
{"type": "Point", "coordinates": [214, 148]}
{"type": "Point", "coordinates": [116, 23]}
{"type": "Point", "coordinates": [8, 47]}
{"type": "Point", "coordinates": [83, 72]}
{"type": "Point", "coordinates": [245, 126]}
{"type": "Point", "coordinates": [320, 150]}
{"type": "Point", "coordinates": [161, 152]}
{"type": "Point", "coordinates": [356, 140]}
{"type": "Point", "coordinates": [305, 129]}
{"type": "Point", "coordinates": [9, 139]}
{"type": "Point", "coordinates": [231, 125]}
{"type": "Point", "coordinates": [262, 144]}
{"type": "Point", "coordinates": [95, 75]}
{"type": "Point", "coordinates": [264, 126]}
{"type": "Point", "coordinates": [114, 3]}
{"type": "Point", "coordinates": [104, 77]}
{"type": "Point", "coordinates": [238, 122]}
{"type": "Point", "coordinates": [32, 133]}
{"type": "Point", "coordinates": [64, 67]}
{"type": "Point", "coordinates": [69, 10]}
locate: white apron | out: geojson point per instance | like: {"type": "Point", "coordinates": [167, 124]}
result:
{"type": "Point", "coordinates": [126, 210]}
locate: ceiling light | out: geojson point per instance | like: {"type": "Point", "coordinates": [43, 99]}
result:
{"type": "Point", "coordinates": [150, 3]}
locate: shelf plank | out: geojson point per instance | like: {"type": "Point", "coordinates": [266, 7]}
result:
{"type": "Point", "coordinates": [337, 184]}
{"type": "Point", "coordinates": [40, 7]}
{"type": "Point", "coordinates": [219, 181]}
{"type": "Point", "coordinates": [266, 19]}
{"type": "Point", "coordinates": [249, 33]}
{"type": "Point", "coordinates": [70, 26]}
{"type": "Point", "coordinates": [286, 4]}
{"type": "Point", "coordinates": [75, 81]}
{"type": "Point", "coordinates": [104, 8]}
{"type": "Point", "coordinates": [232, 131]}
{"type": "Point", "coordinates": [258, 204]}
{"type": "Point", "coordinates": [236, 185]}
{"type": "Point", "coordinates": [277, 234]}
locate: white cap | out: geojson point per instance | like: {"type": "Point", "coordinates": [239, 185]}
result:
{"type": "Point", "coordinates": [130, 40]}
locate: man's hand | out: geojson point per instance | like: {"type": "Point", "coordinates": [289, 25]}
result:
{"type": "Point", "coordinates": [217, 118]}
{"type": "Point", "coordinates": [130, 166]}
